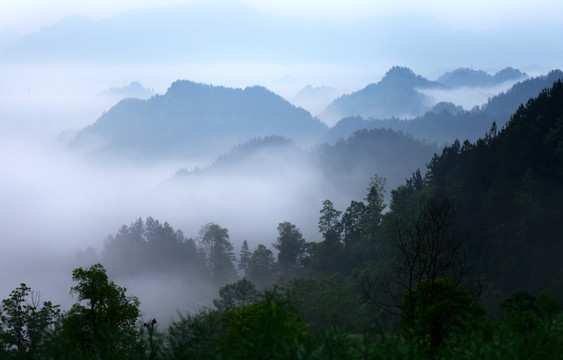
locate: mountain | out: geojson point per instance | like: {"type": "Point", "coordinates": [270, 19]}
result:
{"type": "Point", "coordinates": [254, 157]}
{"type": "Point", "coordinates": [506, 103]}
{"type": "Point", "coordinates": [395, 95]}
{"type": "Point", "coordinates": [345, 167]}
{"type": "Point", "coordinates": [508, 187]}
{"type": "Point", "coordinates": [230, 31]}
{"type": "Point", "coordinates": [393, 155]}
{"type": "Point", "coordinates": [193, 119]}
{"type": "Point", "coordinates": [158, 34]}
{"type": "Point", "coordinates": [134, 90]}
{"type": "Point", "coordinates": [315, 99]}
{"type": "Point", "coordinates": [479, 78]}
{"type": "Point", "coordinates": [444, 124]}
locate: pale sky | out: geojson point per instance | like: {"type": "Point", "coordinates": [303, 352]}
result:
{"type": "Point", "coordinates": [27, 16]}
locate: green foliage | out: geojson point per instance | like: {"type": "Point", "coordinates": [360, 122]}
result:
{"type": "Point", "coordinates": [150, 246]}
{"type": "Point", "coordinates": [525, 312]}
{"type": "Point", "coordinates": [25, 322]}
{"type": "Point", "coordinates": [334, 344]}
{"type": "Point", "coordinates": [434, 309]}
{"type": "Point", "coordinates": [531, 328]}
{"type": "Point", "coordinates": [105, 324]}
{"type": "Point", "coordinates": [291, 248]}
{"type": "Point", "coordinates": [244, 256]}
{"type": "Point", "coordinates": [219, 253]}
{"type": "Point", "coordinates": [508, 186]}
{"type": "Point", "coordinates": [328, 255]}
{"type": "Point", "coordinates": [352, 222]}
{"type": "Point", "coordinates": [194, 337]}
{"type": "Point", "coordinates": [329, 220]}
{"type": "Point", "coordinates": [269, 329]}
{"type": "Point", "coordinates": [349, 239]}
{"type": "Point", "coordinates": [330, 301]}
{"type": "Point", "coordinates": [235, 295]}
{"type": "Point", "coordinates": [374, 206]}
{"type": "Point", "coordinates": [261, 266]}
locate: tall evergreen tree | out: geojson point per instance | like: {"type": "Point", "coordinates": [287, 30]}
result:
{"type": "Point", "coordinates": [244, 256]}
{"type": "Point", "coordinates": [261, 266]}
{"type": "Point", "coordinates": [291, 247]}
{"type": "Point", "coordinates": [219, 253]}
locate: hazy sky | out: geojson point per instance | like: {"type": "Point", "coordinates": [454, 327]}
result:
{"type": "Point", "coordinates": [29, 15]}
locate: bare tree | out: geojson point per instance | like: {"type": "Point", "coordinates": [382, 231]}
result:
{"type": "Point", "coordinates": [426, 247]}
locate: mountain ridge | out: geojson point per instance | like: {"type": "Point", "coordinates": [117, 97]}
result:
{"type": "Point", "coordinates": [193, 119]}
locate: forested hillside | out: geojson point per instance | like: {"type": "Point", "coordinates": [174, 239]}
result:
{"type": "Point", "coordinates": [456, 266]}
{"type": "Point", "coordinates": [509, 189]}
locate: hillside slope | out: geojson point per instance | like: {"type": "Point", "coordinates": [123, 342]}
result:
{"type": "Point", "coordinates": [194, 119]}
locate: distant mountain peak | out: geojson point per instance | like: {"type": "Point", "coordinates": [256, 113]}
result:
{"type": "Point", "coordinates": [135, 89]}
{"type": "Point", "coordinates": [180, 86]}
{"type": "Point", "coordinates": [479, 78]}
{"type": "Point", "coordinates": [195, 119]}
{"type": "Point", "coordinates": [400, 71]}
{"type": "Point", "coordinates": [402, 76]}
{"type": "Point", "coordinates": [395, 95]}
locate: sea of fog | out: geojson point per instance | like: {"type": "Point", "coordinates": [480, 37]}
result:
{"type": "Point", "coordinates": [56, 203]}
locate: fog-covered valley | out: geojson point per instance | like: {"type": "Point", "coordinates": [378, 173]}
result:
{"type": "Point", "coordinates": [64, 200]}
{"type": "Point", "coordinates": [134, 141]}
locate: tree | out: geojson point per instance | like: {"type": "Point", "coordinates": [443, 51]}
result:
{"type": "Point", "coordinates": [434, 309]}
{"type": "Point", "coordinates": [352, 222]}
{"type": "Point", "coordinates": [244, 256]}
{"type": "Point", "coordinates": [524, 312]}
{"type": "Point", "coordinates": [269, 329]}
{"type": "Point", "coordinates": [195, 336]}
{"type": "Point", "coordinates": [329, 225]}
{"type": "Point", "coordinates": [25, 321]}
{"type": "Point", "coordinates": [219, 253]}
{"type": "Point", "coordinates": [291, 247]}
{"type": "Point", "coordinates": [151, 246]}
{"type": "Point", "coordinates": [103, 321]}
{"type": "Point", "coordinates": [330, 302]}
{"type": "Point", "coordinates": [261, 266]}
{"type": "Point", "coordinates": [374, 207]}
{"type": "Point", "coordinates": [427, 246]}
{"type": "Point", "coordinates": [235, 295]}
{"type": "Point", "coordinates": [403, 196]}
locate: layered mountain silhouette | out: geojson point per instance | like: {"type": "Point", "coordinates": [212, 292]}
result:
{"type": "Point", "coordinates": [479, 78]}
{"type": "Point", "coordinates": [395, 95]}
{"type": "Point", "coordinates": [445, 123]}
{"type": "Point", "coordinates": [193, 119]}
{"type": "Point", "coordinates": [315, 99]}
{"type": "Point", "coordinates": [134, 90]}
{"type": "Point", "coordinates": [229, 30]}
{"type": "Point", "coordinates": [345, 167]}
{"type": "Point", "coordinates": [197, 120]}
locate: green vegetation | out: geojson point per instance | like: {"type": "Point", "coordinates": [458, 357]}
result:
{"type": "Point", "coordinates": [441, 273]}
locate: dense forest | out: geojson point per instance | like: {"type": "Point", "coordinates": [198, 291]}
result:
{"type": "Point", "coordinates": [463, 262]}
